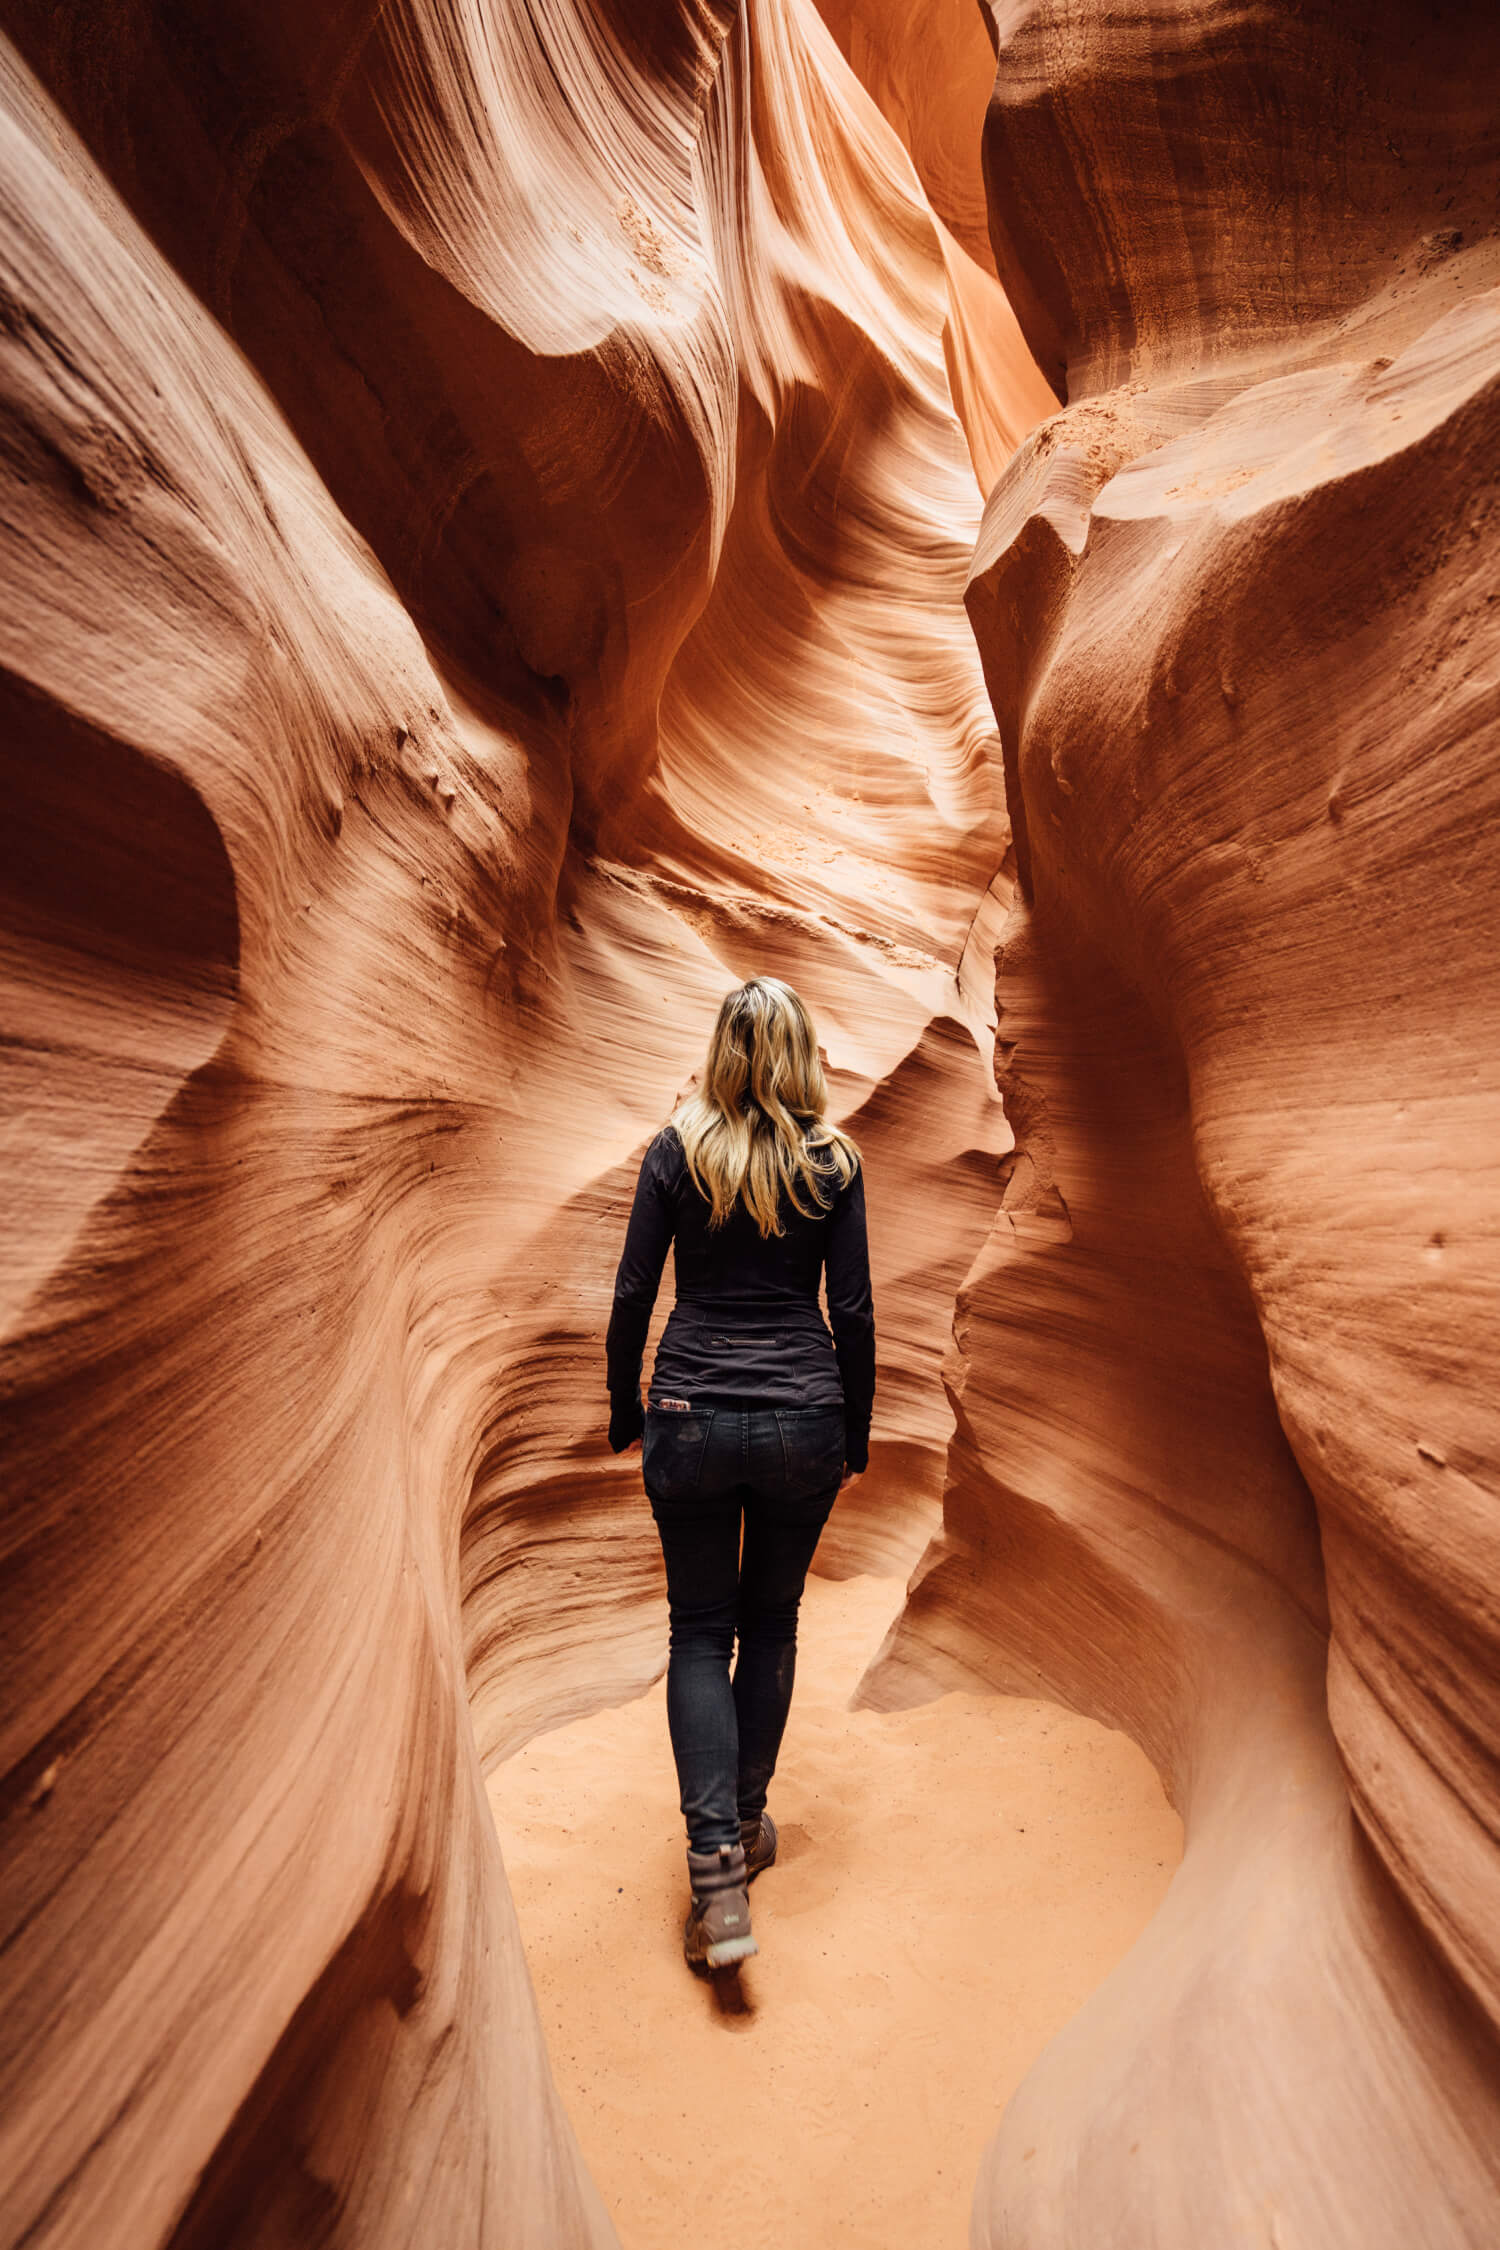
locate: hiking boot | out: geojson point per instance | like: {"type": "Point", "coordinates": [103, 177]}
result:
{"type": "Point", "coordinates": [717, 1930]}
{"type": "Point", "coordinates": [758, 1839]}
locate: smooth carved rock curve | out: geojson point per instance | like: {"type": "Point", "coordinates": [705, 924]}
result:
{"type": "Point", "coordinates": [484, 524]}
{"type": "Point", "coordinates": [486, 498]}
{"type": "Point", "coordinates": [1228, 1354]}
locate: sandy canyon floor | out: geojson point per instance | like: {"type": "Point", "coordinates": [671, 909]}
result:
{"type": "Point", "coordinates": [953, 1881]}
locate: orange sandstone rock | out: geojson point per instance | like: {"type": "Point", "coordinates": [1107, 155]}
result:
{"type": "Point", "coordinates": [1238, 623]}
{"type": "Point", "coordinates": [484, 525]}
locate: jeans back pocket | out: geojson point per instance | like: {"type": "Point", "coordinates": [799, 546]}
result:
{"type": "Point", "coordinates": [812, 1441]}
{"type": "Point", "coordinates": [672, 1452]}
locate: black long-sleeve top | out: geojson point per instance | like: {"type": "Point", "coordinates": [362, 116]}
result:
{"type": "Point", "coordinates": [746, 1329]}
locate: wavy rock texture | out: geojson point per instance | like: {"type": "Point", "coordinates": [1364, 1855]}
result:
{"type": "Point", "coordinates": [1226, 1462]}
{"type": "Point", "coordinates": [486, 498]}
{"type": "Point", "coordinates": [930, 70]}
{"type": "Point", "coordinates": [485, 524]}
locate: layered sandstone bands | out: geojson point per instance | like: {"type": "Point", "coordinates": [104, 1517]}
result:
{"type": "Point", "coordinates": [485, 526]}
{"type": "Point", "coordinates": [1231, 1343]}
{"type": "Point", "coordinates": [486, 497]}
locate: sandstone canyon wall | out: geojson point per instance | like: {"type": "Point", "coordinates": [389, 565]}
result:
{"type": "Point", "coordinates": [487, 495]}
{"type": "Point", "coordinates": [485, 525]}
{"type": "Point", "coordinates": [1225, 1469]}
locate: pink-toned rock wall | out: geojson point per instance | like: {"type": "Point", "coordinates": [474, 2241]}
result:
{"type": "Point", "coordinates": [1227, 1453]}
{"type": "Point", "coordinates": [484, 524]}
{"type": "Point", "coordinates": [929, 66]}
{"type": "Point", "coordinates": [486, 498]}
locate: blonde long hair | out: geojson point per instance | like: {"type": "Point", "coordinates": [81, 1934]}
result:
{"type": "Point", "coordinates": [755, 1129]}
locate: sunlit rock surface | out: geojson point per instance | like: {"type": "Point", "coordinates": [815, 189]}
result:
{"type": "Point", "coordinates": [1226, 1464]}
{"type": "Point", "coordinates": [929, 66]}
{"type": "Point", "coordinates": [484, 531]}
{"type": "Point", "coordinates": [486, 502]}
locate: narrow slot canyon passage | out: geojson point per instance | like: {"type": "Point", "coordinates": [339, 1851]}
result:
{"type": "Point", "coordinates": [953, 1880]}
{"type": "Point", "coordinates": [516, 518]}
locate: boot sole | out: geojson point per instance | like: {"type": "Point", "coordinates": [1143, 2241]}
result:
{"type": "Point", "coordinates": [728, 1951]}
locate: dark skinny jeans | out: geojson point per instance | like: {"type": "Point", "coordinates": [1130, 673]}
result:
{"type": "Point", "coordinates": [779, 1468]}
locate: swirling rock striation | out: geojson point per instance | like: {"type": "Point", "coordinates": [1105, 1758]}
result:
{"type": "Point", "coordinates": [1226, 1463]}
{"type": "Point", "coordinates": [929, 69]}
{"type": "Point", "coordinates": [484, 523]}
{"type": "Point", "coordinates": [486, 496]}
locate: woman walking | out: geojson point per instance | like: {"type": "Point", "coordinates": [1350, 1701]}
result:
{"type": "Point", "coordinates": [755, 1413]}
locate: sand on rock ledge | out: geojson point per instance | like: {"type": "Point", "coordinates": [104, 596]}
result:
{"type": "Point", "coordinates": [954, 1880]}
